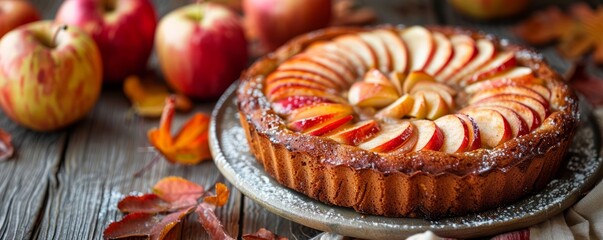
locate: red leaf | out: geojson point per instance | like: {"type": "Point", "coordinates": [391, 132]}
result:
{"type": "Point", "coordinates": [148, 203]}
{"type": "Point", "coordinates": [139, 225]}
{"type": "Point", "coordinates": [221, 196]}
{"type": "Point", "coordinates": [587, 84]}
{"type": "Point", "coordinates": [263, 234]}
{"type": "Point", "coordinates": [6, 146]}
{"type": "Point", "coordinates": [178, 191]}
{"type": "Point", "coordinates": [211, 223]}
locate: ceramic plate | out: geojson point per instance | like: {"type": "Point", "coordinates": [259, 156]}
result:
{"type": "Point", "coordinates": [231, 155]}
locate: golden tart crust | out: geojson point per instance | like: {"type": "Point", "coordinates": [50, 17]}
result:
{"type": "Point", "coordinates": [428, 184]}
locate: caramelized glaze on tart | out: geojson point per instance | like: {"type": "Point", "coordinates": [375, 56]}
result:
{"type": "Point", "coordinates": [410, 121]}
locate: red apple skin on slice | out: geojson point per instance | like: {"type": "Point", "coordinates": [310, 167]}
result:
{"type": "Point", "coordinates": [464, 51]}
{"type": "Point", "coordinates": [283, 93]}
{"type": "Point", "coordinates": [430, 136]}
{"type": "Point", "coordinates": [515, 90]}
{"type": "Point", "coordinates": [329, 126]}
{"type": "Point", "coordinates": [420, 45]}
{"type": "Point", "coordinates": [368, 94]}
{"type": "Point", "coordinates": [475, 141]}
{"type": "Point", "coordinates": [319, 109]}
{"type": "Point", "coordinates": [353, 43]}
{"type": "Point", "coordinates": [357, 133]}
{"type": "Point", "coordinates": [485, 52]}
{"type": "Point", "coordinates": [352, 57]}
{"type": "Point", "coordinates": [501, 82]}
{"type": "Point", "coordinates": [529, 116]}
{"type": "Point", "coordinates": [398, 109]}
{"type": "Point", "coordinates": [390, 138]}
{"type": "Point", "coordinates": [533, 104]}
{"type": "Point", "coordinates": [494, 128]}
{"type": "Point", "coordinates": [380, 50]}
{"type": "Point", "coordinates": [277, 75]}
{"type": "Point", "coordinates": [396, 48]}
{"type": "Point", "coordinates": [442, 55]}
{"type": "Point", "coordinates": [456, 133]}
{"type": "Point", "coordinates": [518, 125]}
{"type": "Point", "coordinates": [500, 63]}
{"type": "Point", "coordinates": [415, 77]}
{"type": "Point", "coordinates": [336, 66]}
{"type": "Point", "coordinates": [307, 123]}
{"type": "Point", "coordinates": [286, 105]}
{"type": "Point", "coordinates": [436, 106]}
{"type": "Point", "coordinates": [316, 68]}
{"type": "Point", "coordinates": [441, 89]}
{"type": "Point", "coordinates": [292, 82]}
{"type": "Point", "coordinates": [419, 107]}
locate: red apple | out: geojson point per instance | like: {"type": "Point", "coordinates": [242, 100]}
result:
{"type": "Point", "coordinates": [122, 29]}
{"type": "Point", "coordinates": [14, 13]}
{"type": "Point", "coordinates": [49, 78]}
{"type": "Point", "coordinates": [277, 21]}
{"type": "Point", "coordinates": [202, 49]}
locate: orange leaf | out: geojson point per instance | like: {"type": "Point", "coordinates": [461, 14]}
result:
{"type": "Point", "coordinates": [190, 145]}
{"type": "Point", "coordinates": [221, 196]}
{"type": "Point", "coordinates": [148, 97]}
{"type": "Point", "coordinates": [6, 146]}
{"type": "Point", "coordinates": [178, 191]}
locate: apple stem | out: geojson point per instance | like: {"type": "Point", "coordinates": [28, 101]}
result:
{"type": "Point", "coordinates": [56, 34]}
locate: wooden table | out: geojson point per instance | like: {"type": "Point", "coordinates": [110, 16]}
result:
{"type": "Point", "coordinates": [66, 184]}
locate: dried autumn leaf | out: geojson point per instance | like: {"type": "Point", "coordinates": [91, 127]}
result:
{"type": "Point", "coordinates": [345, 13]}
{"type": "Point", "coordinates": [6, 146]}
{"type": "Point", "coordinates": [191, 143]}
{"type": "Point", "coordinates": [178, 191]}
{"type": "Point", "coordinates": [537, 30]}
{"type": "Point", "coordinates": [221, 196]}
{"type": "Point", "coordinates": [587, 84]}
{"type": "Point", "coordinates": [147, 225]}
{"type": "Point", "coordinates": [148, 203]}
{"type": "Point", "coordinates": [148, 97]}
{"type": "Point", "coordinates": [263, 234]}
{"type": "Point", "coordinates": [209, 221]}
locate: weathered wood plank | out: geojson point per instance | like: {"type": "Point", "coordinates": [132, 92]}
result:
{"type": "Point", "coordinates": [25, 178]}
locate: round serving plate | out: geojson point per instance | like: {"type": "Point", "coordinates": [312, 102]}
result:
{"type": "Point", "coordinates": [233, 158]}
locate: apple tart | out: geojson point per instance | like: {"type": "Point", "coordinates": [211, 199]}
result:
{"type": "Point", "coordinates": [415, 122]}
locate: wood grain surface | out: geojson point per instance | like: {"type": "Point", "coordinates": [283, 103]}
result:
{"type": "Point", "coordinates": [66, 184]}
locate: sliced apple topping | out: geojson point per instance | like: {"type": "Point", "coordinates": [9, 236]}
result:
{"type": "Point", "coordinates": [356, 133]}
{"type": "Point", "coordinates": [353, 43]}
{"type": "Point", "coordinates": [277, 75]}
{"type": "Point", "coordinates": [380, 50]}
{"type": "Point", "coordinates": [464, 52]}
{"type": "Point", "coordinates": [485, 52]}
{"type": "Point", "coordinates": [288, 104]}
{"type": "Point", "coordinates": [319, 119]}
{"type": "Point", "coordinates": [391, 137]}
{"type": "Point", "coordinates": [292, 82]}
{"type": "Point", "coordinates": [500, 82]}
{"type": "Point", "coordinates": [443, 54]}
{"type": "Point", "coordinates": [398, 109]}
{"type": "Point", "coordinates": [475, 141]}
{"type": "Point", "coordinates": [430, 136]}
{"type": "Point", "coordinates": [336, 66]}
{"type": "Point", "coordinates": [516, 90]}
{"type": "Point", "coordinates": [315, 68]}
{"type": "Point", "coordinates": [420, 46]}
{"type": "Point", "coordinates": [419, 106]}
{"type": "Point", "coordinates": [415, 77]}
{"type": "Point", "coordinates": [396, 48]}
{"type": "Point", "coordinates": [455, 131]}
{"type": "Point", "coordinates": [500, 63]}
{"type": "Point", "coordinates": [494, 128]}
{"type": "Point", "coordinates": [283, 93]}
{"type": "Point", "coordinates": [436, 105]}
{"type": "Point", "coordinates": [374, 91]}
{"type": "Point", "coordinates": [352, 58]}
{"type": "Point", "coordinates": [529, 102]}
{"type": "Point", "coordinates": [529, 116]}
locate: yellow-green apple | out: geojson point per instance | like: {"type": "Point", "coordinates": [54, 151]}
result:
{"type": "Point", "coordinates": [485, 52]}
{"type": "Point", "coordinates": [530, 116]}
{"type": "Point", "coordinates": [357, 133]}
{"type": "Point", "coordinates": [14, 13]}
{"type": "Point", "coordinates": [379, 48]}
{"type": "Point", "coordinates": [442, 55]}
{"type": "Point", "coordinates": [353, 43]}
{"type": "Point", "coordinates": [421, 46]}
{"type": "Point", "coordinates": [396, 48]}
{"type": "Point", "coordinates": [315, 68]}
{"type": "Point", "coordinates": [475, 141]}
{"type": "Point", "coordinates": [123, 30]}
{"type": "Point", "coordinates": [501, 62]}
{"type": "Point", "coordinates": [494, 128]}
{"type": "Point", "coordinates": [516, 90]}
{"type": "Point", "coordinates": [391, 137]}
{"type": "Point", "coordinates": [398, 109]}
{"type": "Point", "coordinates": [489, 9]}
{"type": "Point", "coordinates": [50, 75]}
{"type": "Point", "coordinates": [464, 51]}
{"type": "Point", "coordinates": [277, 21]}
{"type": "Point", "coordinates": [430, 135]}
{"type": "Point", "coordinates": [455, 131]}
{"type": "Point", "coordinates": [202, 49]}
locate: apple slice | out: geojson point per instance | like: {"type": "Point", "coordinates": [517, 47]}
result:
{"type": "Point", "coordinates": [420, 45]}
{"type": "Point", "coordinates": [397, 79]}
{"type": "Point", "coordinates": [500, 82]}
{"type": "Point", "coordinates": [329, 126]}
{"type": "Point", "coordinates": [516, 90]}
{"type": "Point", "coordinates": [456, 133]}
{"type": "Point", "coordinates": [353, 60]}
{"type": "Point", "coordinates": [380, 50]}
{"type": "Point", "coordinates": [415, 77]}
{"type": "Point", "coordinates": [443, 90]}
{"type": "Point", "coordinates": [375, 76]}
{"type": "Point", "coordinates": [356, 133]}
{"type": "Point", "coordinates": [442, 55]}
{"type": "Point", "coordinates": [336, 65]}
{"type": "Point", "coordinates": [485, 52]}
{"type": "Point", "coordinates": [292, 82]}
{"type": "Point", "coordinates": [318, 110]}
{"type": "Point", "coordinates": [398, 108]}
{"type": "Point", "coordinates": [494, 128]}
{"type": "Point", "coordinates": [283, 93]}
{"type": "Point", "coordinates": [430, 136]}
{"type": "Point", "coordinates": [391, 137]}
{"type": "Point", "coordinates": [475, 141]}
{"type": "Point", "coordinates": [501, 62]}
{"type": "Point", "coordinates": [517, 74]}
{"type": "Point", "coordinates": [542, 90]}
{"type": "Point", "coordinates": [370, 94]}
{"type": "Point", "coordinates": [316, 68]}
{"type": "Point", "coordinates": [277, 75]}
{"type": "Point", "coordinates": [419, 107]}
{"type": "Point", "coordinates": [518, 125]}
{"type": "Point", "coordinates": [353, 43]}
{"type": "Point", "coordinates": [533, 104]}
{"type": "Point", "coordinates": [464, 52]}
{"type": "Point", "coordinates": [529, 116]}
{"type": "Point", "coordinates": [288, 104]}
{"type": "Point", "coordinates": [396, 48]}
{"type": "Point", "coordinates": [436, 105]}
